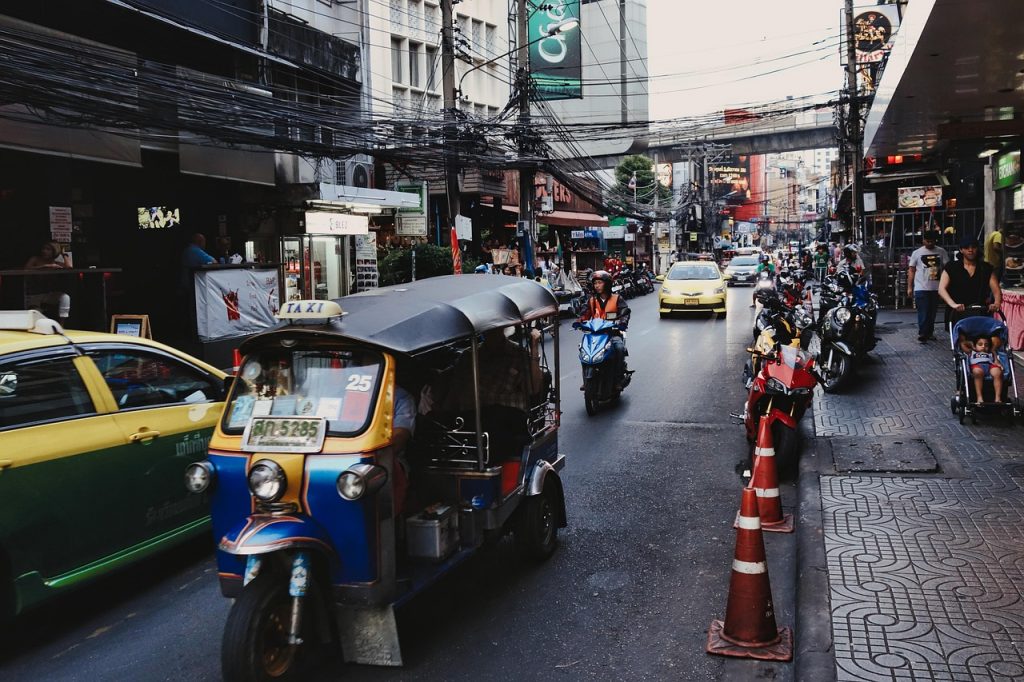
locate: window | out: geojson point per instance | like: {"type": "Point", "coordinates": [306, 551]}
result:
{"type": "Point", "coordinates": [396, 60]}
{"type": "Point", "coordinates": [399, 100]}
{"type": "Point", "coordinates": [431, 68]}
{"type": "Point", "coordinates": [40, 391]}
{"type": "Point", "coordinates": [433, 21]}
{"type": "Point", "coordinates": [491, 40]}
{"type": "Point", "coordinates": [397, 14]}
{"type": "Point", "coordinates": [415, 17]}
{"type": "Point", "coordinates": [477, 39]}
{"type": "Point", "coordinates": [141, 379]}
{"type": "Point", "coordinates": [464, 33]}
{"type": "Point", "coordinates": [414, 64]}
{"type": "Point", "coordinates": [704, 272]}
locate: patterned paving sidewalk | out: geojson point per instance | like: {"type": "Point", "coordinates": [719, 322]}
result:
{"type": "Point", "coordinates": [926, 572]}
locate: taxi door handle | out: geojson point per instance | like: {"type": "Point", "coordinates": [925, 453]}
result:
{"type": "Point", "coordinates": [143, 435]}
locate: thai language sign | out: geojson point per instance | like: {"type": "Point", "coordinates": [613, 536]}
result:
{"type": "Point", "coordinates": [556, 56]}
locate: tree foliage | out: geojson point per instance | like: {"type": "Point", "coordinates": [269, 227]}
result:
{"type": "Point", "coordinates": [646, 181]}
{"type": "Point", "coordinates": [431, 261]}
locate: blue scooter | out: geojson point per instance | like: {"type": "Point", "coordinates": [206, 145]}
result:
{"type": "Point", "coordinates": [595, 357]}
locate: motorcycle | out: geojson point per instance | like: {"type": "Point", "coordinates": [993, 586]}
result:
{"type": "Point", "coordinates": [598, 380]}
{"type": "Point", "coordinates": [571, 298]}
{"type": "Point", "coordinates": [784, 322]}
{"type": "Point", "coordinates": [780, 392]}
{"type": "Point", "coordinates": [846, 329]}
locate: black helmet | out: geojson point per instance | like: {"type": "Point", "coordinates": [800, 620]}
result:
{"type": "Point", "coordinates": [604, 276]}
{"type": "Point", "coordinates": [850, 250]}
{"type": "Point", "coordinates": [763, 258]}
{"type": "Point", "coordinates": [845, 280]}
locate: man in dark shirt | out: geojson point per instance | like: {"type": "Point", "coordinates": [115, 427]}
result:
{"type": "Point", "coordinates": [969, 282]}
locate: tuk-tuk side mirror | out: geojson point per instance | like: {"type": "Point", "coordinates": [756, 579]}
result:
{"type": "Point", "coordinates": [229, 381]}
{"type": "Point", "coordinates": [660, 278]}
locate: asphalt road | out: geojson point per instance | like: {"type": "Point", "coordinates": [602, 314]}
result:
{"type": "Point", "coordinates": [651, 488]}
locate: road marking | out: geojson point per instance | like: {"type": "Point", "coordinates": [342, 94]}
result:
{"type": "Point", "coordinates": [99, 631]}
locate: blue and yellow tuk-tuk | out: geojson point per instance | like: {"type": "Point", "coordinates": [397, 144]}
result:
{"type": "Point", "coordinates": [364, 452]}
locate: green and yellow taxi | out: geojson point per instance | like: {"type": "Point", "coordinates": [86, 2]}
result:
{"type": "Point", "coordinates": [692, 286]}
{"type": "Point", "coordinates": [95, 430]}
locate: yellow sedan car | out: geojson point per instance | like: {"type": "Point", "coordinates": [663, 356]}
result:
{"type": "Point", "coordinates": [692, 286]}
{"type": "Point", "coordinates": [95, 431]}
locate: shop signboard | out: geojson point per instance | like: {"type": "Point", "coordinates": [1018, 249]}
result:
{"type": "Point", "coordinates": [420, 190]}
{"type": "Point", "coordinates": [338, 224]}
{"type": "Point", "coordinates": [925, 196]}
{"type": "Point", "coordinates": [367, 275]}
{"type": "Point", "coordinates": [615, 232]}
{"type": "Point", "coordinates": [873, 29]}
{"type": "Point", "coordinates": [556, 61]}
{"type": "Point", "coordinates": [629, 237]}
{"type": "Point", "coordinates": [592, 233]}
{"type": "Point", "coordinates": [730, 179]}
{"type": "Point", "coordinates": [464, 228]}
{"type": "Point", "coordinates": [1007, 170]}
{"type": "Point", "coordinates": [235, 302]}
{"type": "Point", "coordinates": [1018, 199]}
{"type": "Point", "coordinates": [577, 234]}
{"type": "Point", "coordinates": [411, 226]}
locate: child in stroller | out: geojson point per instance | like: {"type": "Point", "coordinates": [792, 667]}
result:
{"type": "Point", "coordinates": [985, 377]}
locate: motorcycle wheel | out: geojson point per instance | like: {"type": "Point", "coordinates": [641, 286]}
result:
{"type": "Point", "coordinates": [787, 450]}
{"type": "Point", "coordinates": [536, 528]}
{"type": "Point", "coordinates": [590, 402]}
{"type": "Point", "coordinates": [255, 643]}
{"type": "Point", "coordinates": [838, 373]}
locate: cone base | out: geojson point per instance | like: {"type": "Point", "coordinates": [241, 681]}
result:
{"type": "Point", "coordinates": [719, 645]}
{"type": "Point", "coordinates": [783, 526]}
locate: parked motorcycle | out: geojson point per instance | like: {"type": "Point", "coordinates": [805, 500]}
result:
{"type": "Point", "coordinates": [847, 329]}
{"type": "Point", "coordinates": [785, 322]}
{"type": "Point", "coordinates": [780, 392]}
{"type": "Point", "coordinates": [572, 299]}
{"type": "Point", "coordinates": [599, 382]}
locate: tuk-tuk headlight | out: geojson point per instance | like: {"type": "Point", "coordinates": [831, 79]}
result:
{"type": "Point", "coordinates": [361, 479]}
{"type": "Point", "coordinates": [267, 481]}
{"type": "Point", "coordinates": [199, 476]}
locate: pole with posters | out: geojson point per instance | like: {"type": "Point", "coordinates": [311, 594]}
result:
{"type": "Point", "coordinates": [456, 253]}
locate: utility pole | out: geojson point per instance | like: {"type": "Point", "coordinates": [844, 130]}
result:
{"type": "Point", "coordinates": [622, 60]}
{"type": "Point", "coordinates": [853, 121]}
{"type": "Point", "coordinates": [451, 169]}
{"type": "Point", "coordinates": [526, 173]}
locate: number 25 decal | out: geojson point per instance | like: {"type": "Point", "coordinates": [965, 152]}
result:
{"type": "Point", "coordinates": [359, 382]}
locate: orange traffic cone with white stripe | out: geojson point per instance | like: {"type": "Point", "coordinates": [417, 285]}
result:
{"type": "Point", "coordinates": [749, 629]}
{"type": "Point", "coordinates": [765, 482]}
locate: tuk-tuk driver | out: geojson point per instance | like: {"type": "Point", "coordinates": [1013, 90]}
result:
{"type": "Point", "coordinates": [403, 428]}
{"type": "Point", "coordinates": [600, 305]}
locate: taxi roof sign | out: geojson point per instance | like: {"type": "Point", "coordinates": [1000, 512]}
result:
{"type": "Point", "coordinates": [28, 321]}
{"type": "Point", "coordinates": [309, 310]}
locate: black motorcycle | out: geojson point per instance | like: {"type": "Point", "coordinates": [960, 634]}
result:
{"type": "Point", "coordinates": [846, 328]}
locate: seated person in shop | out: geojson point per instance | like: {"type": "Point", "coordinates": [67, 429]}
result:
{"type": "Point", "coordinates": [42, 292]}
{"type": "Point", "coordinates": [510, 379]}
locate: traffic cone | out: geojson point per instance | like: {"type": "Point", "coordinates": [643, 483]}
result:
{"type": "Point", "coordinates": [749, 630]}
{"type": "Point", "coordinates": [236, 361]}
{"type": "Point", "coordinates": [765, 482]}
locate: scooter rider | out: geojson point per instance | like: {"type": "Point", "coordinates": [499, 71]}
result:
{"type": "Point", "coordinates": [764, 264]}
{"type": "Point", "coordinates": [600, 305]}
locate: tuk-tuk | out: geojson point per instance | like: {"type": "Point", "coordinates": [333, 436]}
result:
{"type": "Point", "coordinates": [323, 527]}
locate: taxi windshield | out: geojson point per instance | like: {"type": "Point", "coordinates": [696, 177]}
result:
{"type": "Point", "coordinates": [339, 385]}
{"type": "Point", "coordinates": [693, 272]}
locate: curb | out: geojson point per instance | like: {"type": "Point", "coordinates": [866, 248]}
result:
{"type": "Point", "coordinates": [814, 658]}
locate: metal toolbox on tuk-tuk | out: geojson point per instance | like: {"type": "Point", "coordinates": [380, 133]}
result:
{"type": "Point", "coordinates": [433, 533]}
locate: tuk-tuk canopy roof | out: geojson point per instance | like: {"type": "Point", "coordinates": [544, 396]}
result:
{"type": "Point", "coordinates": [408, 318]}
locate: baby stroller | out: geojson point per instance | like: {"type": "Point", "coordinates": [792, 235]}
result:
{"type": "Point", "coordinates": [965, 403]}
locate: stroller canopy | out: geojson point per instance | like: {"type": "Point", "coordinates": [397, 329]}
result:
{"type": "Point", "coordinates": [973, 327]}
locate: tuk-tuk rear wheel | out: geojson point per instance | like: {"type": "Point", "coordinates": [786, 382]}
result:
{"type": "Point", "coordinates": [255, 643]}
{"type": "Point", "coordinates": [536, 529]}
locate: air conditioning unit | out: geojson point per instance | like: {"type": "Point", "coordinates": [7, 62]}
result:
{"type": "Point", "coordinates": [358, 171]}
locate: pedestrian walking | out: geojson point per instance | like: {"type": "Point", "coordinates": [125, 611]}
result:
{"type": "Point", "coordinates": [969, 282]}
{"type": "Point", "coordinates": [923, 272]}
{"type": "Point", "coordinates": [820, 262]}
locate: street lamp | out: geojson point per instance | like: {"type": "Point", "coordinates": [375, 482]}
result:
{"type": "Point", "coordinates": [560, 27]}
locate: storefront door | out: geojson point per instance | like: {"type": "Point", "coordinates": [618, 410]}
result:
{"type": "Point", "coordinates": [315, 266]}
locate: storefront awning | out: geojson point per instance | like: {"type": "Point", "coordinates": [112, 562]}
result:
{"type": "Point", "coordinates": [565, 218]}
{"type": "Point", "coordinates": [931, 175]}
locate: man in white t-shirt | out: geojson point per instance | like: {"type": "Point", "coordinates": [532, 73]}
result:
{"type": "Point", "coordinates": [923, 272]}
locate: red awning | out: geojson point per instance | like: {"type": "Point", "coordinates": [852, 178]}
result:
{"type": "Point", "coordinates": [565, 218]}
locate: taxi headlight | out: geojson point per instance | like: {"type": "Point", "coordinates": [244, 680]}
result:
{"type": "Point", "coordinates": [267, 481]}
{"type": "Point", "coordinates": [719, 290]}
{"type": "Point", "coordinates": [361, 479]}
{"type": "Point", "coordinates": [199, 476]}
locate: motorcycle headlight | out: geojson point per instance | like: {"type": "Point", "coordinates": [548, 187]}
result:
{"type": "Point", "coordinates": [199, 476]}
{"type": "Point", "coordinates": [267, 481]}
{"type": "Point", "coordinates": [774, 385]}
{"type": "Point", "coordinates": [843, 315]}
{"type": "Point", "coordinates": [360, 479]}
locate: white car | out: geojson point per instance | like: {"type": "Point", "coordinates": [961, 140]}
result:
{"type": "Point", "coordinates": [741, 270]}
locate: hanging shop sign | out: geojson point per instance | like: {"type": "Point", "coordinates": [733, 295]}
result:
{"type": "Point", "coordinates": [367, 275]}
{"type": "Point", "coordinates": [629, 237]}
{"type": "Point", "coordinates": [1007, 170]}
{"type": "Point", "coordinates": [927, 196]}
{"type": "Point", "coordinates": [411, 225]}
{"type": "Point", "coordinates": [556, 61]}
{"type": "Point", "coordinates": [326, 222]}
{"type": "Point", "coordinates": [1018, 199]}
{"type": "Point", "coordinates": [420, 190]}
{"type": "Point", "coordinates": [235, 302]}
{"type": "Point", "coordinates": [615, 232]}
{"type": "Point", "coordinates": [60, 224]}
{"type": "Point", "coordinates": [873, 29]}
{"type": "Point", "coordinates": [576, 234]}
{"type": "Point", "coordinates": [464, 228]}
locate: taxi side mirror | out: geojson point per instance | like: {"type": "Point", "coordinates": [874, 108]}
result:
{"type": "Point", "coordinates": [660, 278]}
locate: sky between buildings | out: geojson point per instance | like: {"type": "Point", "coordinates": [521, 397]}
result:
{"type": "Point", "coordinates": [706, 55]}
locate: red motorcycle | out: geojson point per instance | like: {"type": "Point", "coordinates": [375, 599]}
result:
{"type": "Point", "coordinates": [781, 392]}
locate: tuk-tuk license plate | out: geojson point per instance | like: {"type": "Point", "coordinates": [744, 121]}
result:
{"type": "Point", "coordinates": [284, 434]}
{"type": "Point", "coordinates": [691, 301]}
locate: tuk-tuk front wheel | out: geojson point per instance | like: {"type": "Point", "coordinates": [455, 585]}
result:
{"type": "Point", "coordinates": [255, 643]}
{"type": "Point", "coordinates": [536, 529]}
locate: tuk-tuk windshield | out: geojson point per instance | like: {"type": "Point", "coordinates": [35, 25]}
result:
{"type": "Point", "coordinates": [339, 385]}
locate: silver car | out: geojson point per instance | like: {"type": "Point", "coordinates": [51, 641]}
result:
{"type": "Point", "coordinates": [741, 270]}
